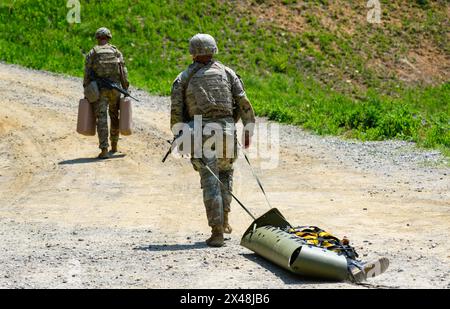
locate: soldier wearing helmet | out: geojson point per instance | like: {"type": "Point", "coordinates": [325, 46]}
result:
{"type": "Point", "coordinates": [105, 61]}
{"type": "Point", "coordinates": [209, 89]}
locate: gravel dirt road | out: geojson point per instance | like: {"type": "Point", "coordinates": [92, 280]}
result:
{"type": "Point", "coordinates": [69, 220]}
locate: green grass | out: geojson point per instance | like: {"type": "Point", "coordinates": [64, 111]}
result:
{"type": "Point", "coordinates": [297, 78]}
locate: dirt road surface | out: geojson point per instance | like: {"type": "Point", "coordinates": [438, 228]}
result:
{"type": "Point", "coordinates": [69, 220]}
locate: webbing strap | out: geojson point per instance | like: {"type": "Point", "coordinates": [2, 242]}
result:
{"type": "Point", "coordinates": [256, 177]}
{"type": "Point", "coordinates": [188, 79]}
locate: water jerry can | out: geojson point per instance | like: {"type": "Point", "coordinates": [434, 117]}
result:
{"type": "Point", "coordinates": [125, 119]}
{"type": "Point", "coordinates": [86, 118]}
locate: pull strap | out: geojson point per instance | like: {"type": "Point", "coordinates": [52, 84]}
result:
{"type": "Point", "coordinates": [256, 177]}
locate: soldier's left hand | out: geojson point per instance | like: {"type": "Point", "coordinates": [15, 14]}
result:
{"type": "Point", "coordinates": [247, 140]}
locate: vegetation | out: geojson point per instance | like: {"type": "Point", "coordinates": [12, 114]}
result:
{"type": "Point", "coordinates": [320, 75]}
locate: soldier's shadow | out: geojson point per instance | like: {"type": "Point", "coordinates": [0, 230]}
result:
{"type": "Point", "coordinates": [286, 276]}
{"type": "Point", "coordinates": [89, 160]}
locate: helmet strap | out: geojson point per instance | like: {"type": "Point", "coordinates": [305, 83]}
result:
{"type": "Point", "coordinates": [102, 40]}
{"type": "Point", "coordinates": [205, 59]}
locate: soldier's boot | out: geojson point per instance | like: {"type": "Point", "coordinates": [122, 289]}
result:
{"type": "Point", "coordinates": [227, 229]}
{"type": "Point", "coordinates": [216, 239]}
{"type": "Point", "coordinates": [113, 147]}
{"type": "Point", "coordinates": [103, 154]}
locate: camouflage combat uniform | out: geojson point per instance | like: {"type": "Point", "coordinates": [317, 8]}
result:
{"type": "Point", "coordinates": [215, 92]}
{"type": "Point", "coordinates": [106, 61]}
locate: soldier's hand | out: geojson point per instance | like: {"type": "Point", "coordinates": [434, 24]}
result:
{"type": "Point", "coordinates": [247, 140]}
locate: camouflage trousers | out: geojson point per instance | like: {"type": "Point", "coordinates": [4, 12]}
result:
{"type": "Point", "coordinates": [109, 101]}
{"type": "Point", "coordinates": [216, 198]}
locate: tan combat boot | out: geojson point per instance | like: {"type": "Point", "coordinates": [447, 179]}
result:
{"type": "Point", "coordinates": [227, 229]}
{"type": "Point", "coordinates": [216, 239]}
{"type": "Point", "coordinates": [113, 147]}
{"type": "Point", "coordinates": [103, 154]}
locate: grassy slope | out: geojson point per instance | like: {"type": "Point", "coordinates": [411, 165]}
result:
{"type": "Point", "coordinates": [296, 77]}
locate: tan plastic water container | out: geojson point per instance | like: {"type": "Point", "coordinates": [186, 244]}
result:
{"type": "Point", "coordinates": [86, 118]}
{"type": "Point", "coordinates": [125, 119]}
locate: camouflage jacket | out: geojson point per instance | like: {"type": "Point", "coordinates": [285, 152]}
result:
{"type": "Point", "coordinates": [213, 91]}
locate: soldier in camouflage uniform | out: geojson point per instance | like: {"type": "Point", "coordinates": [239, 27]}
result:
{"type": "Point", "coordinates": [214, 91]}
{"type": "Point", "coordinates": [106, 61]}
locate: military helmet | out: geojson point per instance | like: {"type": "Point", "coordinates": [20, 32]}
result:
{"type": "Point", "coordinates": [202, 45]}
{"type": "Point", "coordinates": [103, 32]}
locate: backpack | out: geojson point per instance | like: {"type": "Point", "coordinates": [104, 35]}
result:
{"type": "Point", "coordinates": [106, 62]}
